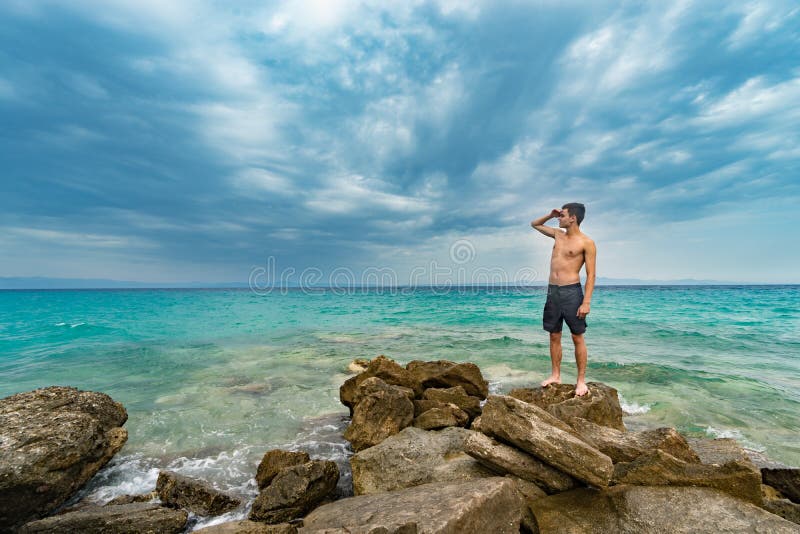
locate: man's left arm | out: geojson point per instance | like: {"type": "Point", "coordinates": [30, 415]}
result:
{"type": "Point", "coordinates": [590, 255]}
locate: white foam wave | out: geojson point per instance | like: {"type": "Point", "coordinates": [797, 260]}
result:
{"type": "Point", "coordinates": [724, 433]}
{"type": "Point", "coordinates": [632, 408]}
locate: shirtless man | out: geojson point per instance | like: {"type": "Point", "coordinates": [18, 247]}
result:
{"type": "Point", "coordinates": [565, 299]}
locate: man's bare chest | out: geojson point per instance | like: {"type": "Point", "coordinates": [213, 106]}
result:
{"type": "Point", "coordinates": [565, 250]}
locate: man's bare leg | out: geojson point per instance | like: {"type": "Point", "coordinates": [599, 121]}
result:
{"type": "Point", "coordinates": [555, 359]}
{"type": "Point", "coordinates": [581, 355]}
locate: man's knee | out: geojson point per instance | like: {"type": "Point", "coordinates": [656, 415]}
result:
{"type": "Point", "coordinates": [578, 338]}
{"type": "Point", "coordinates": [555, 337]}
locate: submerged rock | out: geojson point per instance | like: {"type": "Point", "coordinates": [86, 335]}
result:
{"type": "Point", "coordinates": [535, 431]}
{"type": "Point", "coordinates": [294, 491]}
{"type": "Point", "coordinates": [656, 510]}
{"type": "Point", "coordinates": [600, 405]}
{"type": "Point", "coordinates": [492, 505]}
{"type": "Point", "coordinates": [414, 457]}
{"type": "Point", "coordinates": [52, 441]}
{"type": "Point", "coordinates": [134, 518]}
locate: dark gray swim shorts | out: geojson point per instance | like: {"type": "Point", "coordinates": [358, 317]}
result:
{"type": "Point", "coordinates": [562, 305]}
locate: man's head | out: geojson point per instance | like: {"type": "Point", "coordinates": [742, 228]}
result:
{"type": "Point", "coordinates": [571, 213]}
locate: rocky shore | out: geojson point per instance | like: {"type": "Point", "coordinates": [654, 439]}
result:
{"type": "Point", "coordinates": [433, 452]}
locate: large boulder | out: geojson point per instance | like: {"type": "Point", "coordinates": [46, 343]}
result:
{"type": "Point", "coordinates": [52, 441]}
{"type": "Point", "coordinates": [505, 459]}
{"type": "Point", "coordinates": [717, 451]}
{"type": "Point", "coordinates": [381, 367]}
{"type": "Point", "coordinates": [455, 395]}
{"type": "Point", "coordinates": [248, 527]}
{"type": "Point", "coordinates": [134, 518]}
{"type": "Point", "coordinates": [467, 375]}
{"type": "Point", "coordinates": [652, 510]}
{"type": "Point", "coordinates": [658, 468]}
{"type": "Point", "coordinates": [414, 457]}
{"type": "Point", "coordinates": [600, 405]}
{"type": "Point", "coordinates": [294, 491]}
{"type": "Point", "coordinates": [530, 428]}
{"type": "Point", "coordinates": [274, 461]}
{"type": "Point", "coordinates": [382, 411]}
{"type": "Point", "coordinates": [195, 495]}
{"type": "Point", "coordinates": [423, 370]}
{"type": "Point", "coordinates": [627, 446]}
{"type": "Point", "coordinates": [477, 506]}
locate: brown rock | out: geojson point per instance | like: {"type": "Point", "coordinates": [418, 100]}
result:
{"type": "Point", "coordinates": [423, 405]}
{"type": "Point", "coordinates": [627, 446]}
{"type": "Point", "coordinates": [414, 457]}
{"type": "Point", "coordinates": [359, 365]}
{"type": "Point", "coordinates": [600, 405]}
{"type": "Point", "coordinates": [381, 367]}
{"type": "Point", "coordinates": [249, 527]}
{"type": "Point", "coordinates": [455, 395]}
{"type": "Point", "coordinates": [506, 459]}
{"type": "Point", "coordinates": [275, 460]}
{"type": "Point", "coordinates": [717, 451]}
{"type": "Point", "coordinates": [52, 441]}
{"type": "Point", "coordinates": [657, 468]}
{"type": "Point", "coordinates": [529, 492]}
{"type": "Point", "coordinates": [423, 370]}
{"type": "Point", "coordinates": [784, 508]}
{"type": "Point", "coordinates": [491, 505]}
{"type": "Point", "coordinates": [193, 494]}
{"type": "Point", "coordinates": [295, 491]}
{"type": "Point", "coordinates": [652, 510]}
{"type": "Point", "coordinates": [467, 375]}
{"type": "Point", "coordinates": [435, 418]}
{"type": "Point", "coordinates": [787, 480]}
{"type": "Point", "coordinates": [535, 431]}
{"type": "Point", "coordinates": [134, 518]}
{"type": "Point", "coordinates": [382, 412]}
{"type": "Point", "coordinates": [128, 499]}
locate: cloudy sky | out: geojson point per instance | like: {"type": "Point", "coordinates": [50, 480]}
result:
{"type": "Point", "coordinates": [178, 141]}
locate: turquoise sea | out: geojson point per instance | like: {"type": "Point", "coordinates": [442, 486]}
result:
{"type": "Point", "coordinates": [212, 379]}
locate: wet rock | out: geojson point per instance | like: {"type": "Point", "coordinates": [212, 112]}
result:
{"type": "Point", "coordinates": [535, 431]}
{"type": "Point", "coordinates": [643, 510]}
{"type": "Point", "coordinates": [738, 478]}
{"type": "Point", "coordinates": [787, 480]}
{"type": "Point", "coordinates": [627, 446]}
{"type": "Point", "coordinates": [274, 461]}
{"type": "Point", "coordinates": [193, 494]}
{"type": "Point", "coordinates": [467, 375]}
{"type": "Point", "coordinates": [294, 491]}
{"type": "Point", "coordinates": [134, 518]}
{"type": "Point", "coordinates": [480, 506]}
{"type": "Point", "coordinates": [717, 451]}
{"type": "Point", "coordinates": [414, 457]}
{"type": "Point", "coordinates": [455, 395]}
{"type": "Point", "coordinates": [381, 367]}
{"type": "Point", "coordinates": [504, 459]}
{"type": "Point", "coordinates": [784, 508]}
{"type": "Point", "coordinates": [128, 499]}
{"type": "Point", "coordinates": [52, 441]}
{"type": "Point", "coordinates": [600, 405]}
{"type": "Point", "coordinates": [249, 527]}
{"type": "Point", "coordinates": [382, 411]}
{"type": "Point", "coordinates": [441, 417]}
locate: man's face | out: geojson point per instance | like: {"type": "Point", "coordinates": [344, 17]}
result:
{"type": "Point", "coordinates": [563, 221]}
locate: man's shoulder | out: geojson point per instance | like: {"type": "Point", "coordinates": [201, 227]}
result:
{"type": "Point", "coordinates": [587, 241]}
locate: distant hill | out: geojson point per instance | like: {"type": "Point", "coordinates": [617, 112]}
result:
{"type": "Point", "coordinates": [41, 282]}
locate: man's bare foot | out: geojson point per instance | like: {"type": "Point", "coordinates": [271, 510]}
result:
{"type": "Point", "coordinates": [581, 389]}
{"type": "Point", "coordinates": [551, 380]}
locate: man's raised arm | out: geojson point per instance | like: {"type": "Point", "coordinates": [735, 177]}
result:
{"type": "Point", "coordinates": [546, 230]}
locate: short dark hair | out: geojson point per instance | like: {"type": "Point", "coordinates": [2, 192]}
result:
{"type": "Point", "coordinates": [577, 209]}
